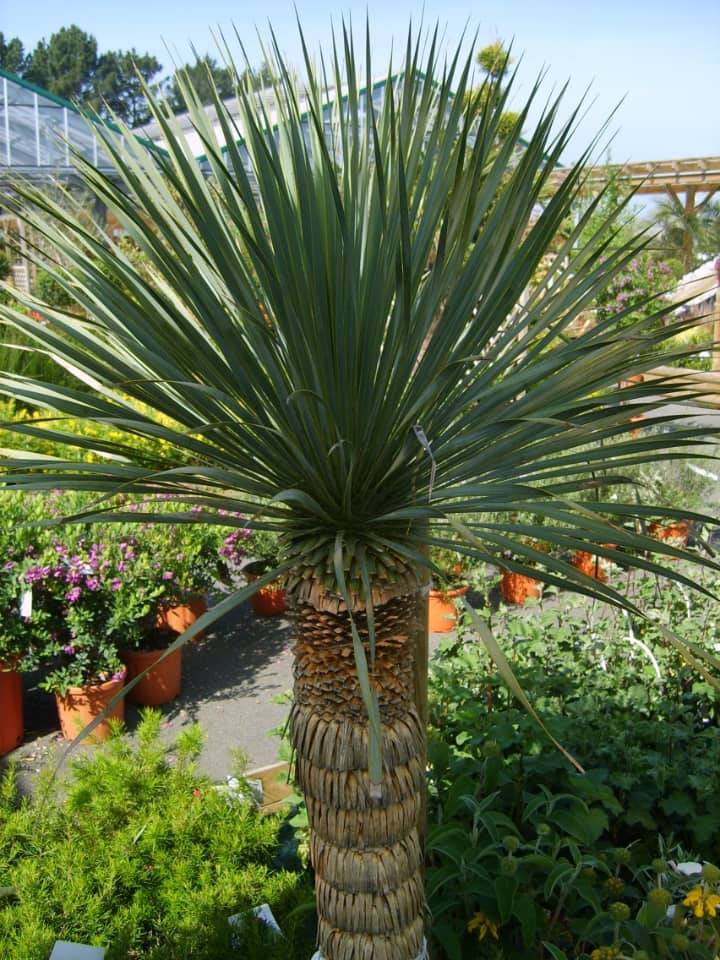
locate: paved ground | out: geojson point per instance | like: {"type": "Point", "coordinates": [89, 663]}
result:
{"type": "Point", "coordinates": [229, 680]}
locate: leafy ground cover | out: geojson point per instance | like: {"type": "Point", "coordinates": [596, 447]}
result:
{"type": "Point", "coordinates": [529, 857]}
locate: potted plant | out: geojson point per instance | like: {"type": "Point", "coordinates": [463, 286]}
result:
{"type": "Point", "coordinates": [452, 583]}
{"type": "Point", "coordinates": [264, 547]}
{"type": "Point", "coordinates": [516, 586]}
{"type": "Point", "coordinates": [592, 564]}
{"type": "Point", "coordinates": [14, 643]}
{"type": "Point", "coordinates": [161, 673]}
{"type": "Point", "coordinates": [675, 486]}
{"type": "Point", "coordinates": [18, 542]}
{"type": "Point", "coordinates": [184, 557]}
{"type": "Point", "coordinates": [91, 596]}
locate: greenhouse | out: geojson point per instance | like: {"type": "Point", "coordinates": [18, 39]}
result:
{"type": "Point", "coordinates": [39, 133]}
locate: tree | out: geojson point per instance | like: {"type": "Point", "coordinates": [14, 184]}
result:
{"type": "Point", "coordinates": [65, 64]}
{"type": "Point", "coordinates": [117, 86]}
{"type": "Point", "coordinates": [12, 55]}
{"type": "Point", "coordinates": [68, 65]}
{"type": "Point", "coordinates": [688, 233]}
{"type": "Point", "coordinates": [206, 78]}
{"type": "Point", "coordinates": [494, 60]}
{"type": "Point", "coordinates": [338, 345]}
{"type": "Point", "coordinates": [260, 77]}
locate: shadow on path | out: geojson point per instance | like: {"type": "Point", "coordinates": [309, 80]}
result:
{"type": "Point", "coordinates": [230, 678]}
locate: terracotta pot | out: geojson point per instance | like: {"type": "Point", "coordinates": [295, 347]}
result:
{"type": "Point", "coordinates": [81, 705]}
{"type": "Point", "coordinates": [632, 380]}
{"type": "Point", "coordinates": [11, 708]}
{"type": "Point", "coordinates": [269, 601]}
{"type": "Point", "coordinates": [442, 612]}
{"type": "Point", "coordinates": [677, 530]}
{"type": "Point", "coordinates": [517, 588]}
{"type": "Point", "coordinates": [178, 618]}
{"type": "Point", "coordinates": [636, 431]}
{"type": "Point", "coordinates": [590, 564]}
{"type": "Point", "coordinates": [161, 684]}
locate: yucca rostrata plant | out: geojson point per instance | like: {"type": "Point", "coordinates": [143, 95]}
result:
{"type": "Point", "coordinates": [356, 346]}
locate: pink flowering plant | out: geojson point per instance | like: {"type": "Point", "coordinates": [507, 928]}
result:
{"type": "Point", "coordinates": [18, 541]}
{"type": "Point", "coordinates": [633, 293]}
{"type": "Point", "coordinates": [186, 557]}
{"type": "Point", "coordinates": [94, 592]}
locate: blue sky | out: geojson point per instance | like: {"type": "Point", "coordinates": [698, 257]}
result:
{"type": "Point", "coordinates": [658, 63]}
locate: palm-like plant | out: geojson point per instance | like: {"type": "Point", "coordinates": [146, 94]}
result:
{"type": "Point", "coordinates": [336, 346]}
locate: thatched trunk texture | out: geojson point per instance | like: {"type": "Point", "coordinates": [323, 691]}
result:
{"type": "Point", "coordinates": [366, 852]}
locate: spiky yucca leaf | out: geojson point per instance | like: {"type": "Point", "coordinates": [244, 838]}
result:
{"type": "Point", "coordinates": [338, 327]}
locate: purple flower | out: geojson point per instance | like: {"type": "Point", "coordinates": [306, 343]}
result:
{"type": "Point", "coordinates": [69, 649]}
{"type": "Point", "coordinates": [72, 596]}
{"type": "Point", "coordinates": [132, 508]}
{"type": "Point", "coordinates": [168, 575]}
{"type": "Point", "coordinates": [115, 584]}
{"type": "Point", "coordinates": [92, 583]}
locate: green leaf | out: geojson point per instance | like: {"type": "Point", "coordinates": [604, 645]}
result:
{"type": "Point", "coordinates": [678, 803]}
{"type": "Point", "coordinates": [555, 952]}
{"type": "Point", "coordinates": [505, 890]}
{"type": "Point", "coordinates": [526, 912]}
{"type": "Point", "coordinates": [585, 824]}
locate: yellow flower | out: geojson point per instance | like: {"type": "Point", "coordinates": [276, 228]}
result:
{"type": "Point", "coordinates": [702, 902]}
{"type": "Point", "coordinates": [483, 925]}
{"type": "Point", "coordinates": [605, 953]}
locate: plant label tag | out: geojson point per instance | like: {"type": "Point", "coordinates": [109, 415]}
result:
{"type": "Point", "coordinates": [26, 605]}
{"type": "Point", "coordinates": [263, 914]}
{"type": "Point", "coordinates": [63, 950]}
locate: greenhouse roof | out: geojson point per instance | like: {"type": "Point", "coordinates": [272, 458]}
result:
{"type": "Point", "coordinates": [39, 132]}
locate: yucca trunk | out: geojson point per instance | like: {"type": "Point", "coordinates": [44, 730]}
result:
{"type": "Point", "coordinates": [366, 848]}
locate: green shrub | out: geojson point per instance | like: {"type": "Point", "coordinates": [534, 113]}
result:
{"type": "Point", "coordinates": [143, 856]}
{"type": "Point", "coordinates": [520, 844]}
{"type": "Point", "coordinates": [46, 288]}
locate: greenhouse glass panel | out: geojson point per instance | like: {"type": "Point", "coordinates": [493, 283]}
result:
{"type": "Point", "coordinates": [39, 131]}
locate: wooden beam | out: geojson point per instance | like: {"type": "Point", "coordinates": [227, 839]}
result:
{"type": "Point", "coordinates": [701, 174]}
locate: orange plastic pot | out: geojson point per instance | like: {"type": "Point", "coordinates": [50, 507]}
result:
{"type": "Point", "coordinates": [517, 588]}
{"type": "Point", "coordinates": [11, 709]}
{"type": "Point", "coordinates": [269, 601]}
{"type": "Point", "coordinates": [677, 531]}
{"type": "Point", "coordinates": [635, 432]}
{"type": "Point", "coordinates": [632, 380]}
{"type": "Point", "coordinates": [442, 612]}
{"type": "Point", "coordinates": [590, 564]}
{"type": "Point", "coordinates": [161, 684]}
{"type": "Point", "coordinates": [183, 615]}
{"type": "Point", "coordinates": [81, 705]}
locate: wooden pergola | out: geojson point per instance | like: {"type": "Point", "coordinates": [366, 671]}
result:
{"type": "Point", "coordinates": [692, 176]}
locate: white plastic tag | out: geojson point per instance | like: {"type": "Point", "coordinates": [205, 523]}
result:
{"type": "Point", "coordinates": [26, 605]}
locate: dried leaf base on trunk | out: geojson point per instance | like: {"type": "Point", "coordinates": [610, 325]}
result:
{"type": "Point", "coordinates": [365, 848]}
